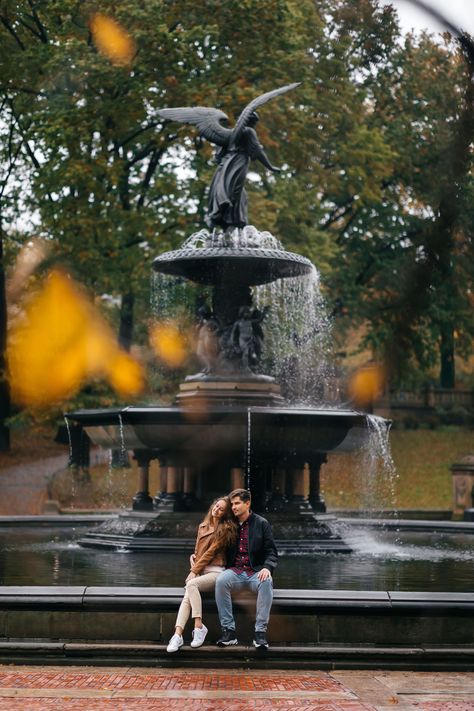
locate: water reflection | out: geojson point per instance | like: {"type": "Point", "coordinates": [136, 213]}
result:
{"type": "Point", "coordinates": [381, 561]}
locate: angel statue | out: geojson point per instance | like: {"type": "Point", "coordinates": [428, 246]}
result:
{"type": "Point", "coordinates": [227, 205]}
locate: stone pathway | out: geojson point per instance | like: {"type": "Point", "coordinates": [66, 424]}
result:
{"type": "Point", "coordinates": [23, 487]}
{"type": "Point", "coordinates": [136, 689]}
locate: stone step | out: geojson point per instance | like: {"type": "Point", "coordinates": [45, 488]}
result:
{"type": "Point", "coordinates": [139, 653]}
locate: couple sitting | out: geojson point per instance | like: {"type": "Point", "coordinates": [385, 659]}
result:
{"type": "Point", "coordinates": [234, 550]}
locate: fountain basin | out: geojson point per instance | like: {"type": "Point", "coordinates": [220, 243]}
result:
{"type": "Point", "coordinates": [276, 452]}
{"type": "Point", "coordinates": [245, 266]}
{"type": "Point", "coordinates": [278, 433]}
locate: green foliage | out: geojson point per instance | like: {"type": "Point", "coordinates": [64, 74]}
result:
{"type": "Point", "coordinates": [369, 144]}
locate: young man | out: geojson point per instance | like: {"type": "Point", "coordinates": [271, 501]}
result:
{"type": "Point", "coordinates": [250, 564]}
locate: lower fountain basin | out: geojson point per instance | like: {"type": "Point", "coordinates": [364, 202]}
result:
{"type": "Point", "coordinates": [278, 433]}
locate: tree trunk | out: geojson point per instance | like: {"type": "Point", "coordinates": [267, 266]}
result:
{"type": "Point", "coordinates": [447, 372]}
{"type": "Point", "coordinates": [5, 405]}
{"type": "Point", "coordinates": [126, 321]}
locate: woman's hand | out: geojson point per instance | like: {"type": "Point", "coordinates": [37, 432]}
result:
{"type": "Point", "coordinates": [191, 576]}
{"type": "Point", "coordinates": [192, 559]}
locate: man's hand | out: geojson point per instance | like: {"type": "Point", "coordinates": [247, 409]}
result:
{"type": "Point", "coordinates": [264, 574]}
{"type": "Point", "coordinates": [191, 576]}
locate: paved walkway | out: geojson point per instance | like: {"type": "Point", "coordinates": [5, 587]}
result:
{"type": "Point", "coordinates": [23, 487]}
{"type": "Point", "coordinates": [137, 689]}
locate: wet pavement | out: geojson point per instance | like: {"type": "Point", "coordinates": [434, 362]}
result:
{"type": "Point", "coordinates": [36, 688]}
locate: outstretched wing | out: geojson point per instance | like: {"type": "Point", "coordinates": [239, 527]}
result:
{"type": "Point", "coordinates": [206, 120]}
{"type": "Point", "coordinates": [253, 106]}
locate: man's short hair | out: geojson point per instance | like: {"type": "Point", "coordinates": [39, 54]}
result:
{"type": "Point", "coordinates": [242, 494]}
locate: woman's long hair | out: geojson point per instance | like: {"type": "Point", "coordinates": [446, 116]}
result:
{"type": "Point", "coordinates": [226, 528]}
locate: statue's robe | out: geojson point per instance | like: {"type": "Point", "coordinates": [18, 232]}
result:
{"type": "Point", "coordinates": [227, 196]}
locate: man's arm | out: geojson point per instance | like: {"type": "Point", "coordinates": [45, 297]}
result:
{"type": "Point", "coordinates": [270, 552]}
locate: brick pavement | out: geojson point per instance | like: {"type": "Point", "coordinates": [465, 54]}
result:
{"type": "Point", "coordinates": [152, 689]}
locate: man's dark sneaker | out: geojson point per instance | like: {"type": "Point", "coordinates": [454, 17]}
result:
{"type": "Point", "coordinates": [227, 638]}
{"type": "Point", "coordinates": [259, 640]}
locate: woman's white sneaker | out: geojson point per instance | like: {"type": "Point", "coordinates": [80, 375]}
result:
{"type": "Point", "coordinates": [175, 643]}
{"type": "Point", "coordinates": [199, 635]}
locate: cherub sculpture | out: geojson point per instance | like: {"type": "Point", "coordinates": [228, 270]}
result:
{"type": "Point", "coordinates": [246, 337]}
{"type": "Point", "coordinates": [227, 206]}
{"type": "Point", "coordinates": [207, 348]}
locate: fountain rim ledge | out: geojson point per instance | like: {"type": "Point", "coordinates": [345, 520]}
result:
{"type": "Point", "coordinates": [134, 411]}
{"type": "Point", "coordinates": [167, 429]}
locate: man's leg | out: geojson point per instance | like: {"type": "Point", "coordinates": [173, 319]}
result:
{"type": "Point", "coordinates": [264, 590]}
{"type": "Point", "coordinates": [224, 584]}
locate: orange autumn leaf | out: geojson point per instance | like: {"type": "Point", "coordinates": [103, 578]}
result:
{"type": "Point", "coordinates": [366, 385]}
{"type": "Point", "coordinates": [168, 344]}
{"type": "Point", "coordinates": [125, 375]}
{"type": "Point", "coordinates": [112, 40]}
{"type": "Point", "coordinates": [58, 342]}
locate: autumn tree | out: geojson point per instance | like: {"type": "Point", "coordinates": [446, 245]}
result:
{"type": "Point", "coordinates": [365, 144]}
{"type": "Point", "coordinates": [109, 179]}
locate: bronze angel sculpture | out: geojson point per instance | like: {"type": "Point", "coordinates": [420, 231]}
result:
{"type": "Point", "coordinates": [227, 205]}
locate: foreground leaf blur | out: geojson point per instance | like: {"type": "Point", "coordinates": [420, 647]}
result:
{"type": "Point", "coordinates": [58, 342]}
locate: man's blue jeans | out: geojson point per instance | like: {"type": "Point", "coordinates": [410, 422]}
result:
{"type": "Point", "coordinates": [227, 582]}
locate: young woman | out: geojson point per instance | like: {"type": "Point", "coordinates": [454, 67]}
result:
{"type": "Point", "coordinates": [216, 533]}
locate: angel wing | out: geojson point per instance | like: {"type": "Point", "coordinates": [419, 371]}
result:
{"type": "Point", "coordinates": [253, 106]}
{"type": "Point", "coordinates": [207, 120]}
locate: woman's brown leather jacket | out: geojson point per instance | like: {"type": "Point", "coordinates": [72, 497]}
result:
{"type": "Point", "coordinates": [206, 551]}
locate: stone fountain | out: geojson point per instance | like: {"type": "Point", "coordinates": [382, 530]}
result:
{"type": "Point", "coordinates": [230, 425]}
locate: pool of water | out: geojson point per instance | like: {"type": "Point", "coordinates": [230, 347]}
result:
{"type": "Point", "coordinates": [382, 560]}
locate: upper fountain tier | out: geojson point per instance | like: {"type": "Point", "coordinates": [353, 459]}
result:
{"type": "Point", "coordinates": [244, 256]}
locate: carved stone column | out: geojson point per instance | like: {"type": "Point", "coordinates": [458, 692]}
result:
{"type": "Point", "coordinates": [315, 498]}
{"type": "Point", "coordinates": [162, 486]}
{"type": "Point", "coordinates": [237, 478]}
{"type": "Point", "coordinates": [299, 489]}
{"type": "Point", "coordinates": [172, 500]}
{"type": "Point", "coordinates": [142, 500]}
{"type": "Point", "coordinates": [190, 500]}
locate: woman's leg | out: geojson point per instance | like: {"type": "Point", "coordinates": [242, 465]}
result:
{"type": "Point", "coordinates": [183, 613]}
{"type": "Point", "coordinates": [202, 583]}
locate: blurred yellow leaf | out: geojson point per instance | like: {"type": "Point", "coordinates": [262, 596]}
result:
{"type": "Point", "coordinates": [58, 342]}
{"type": "Point", "coordinates": [168, 344]}
{"type": "Point", "coordinates": [112, 40]}
{"type": "Point", "coordinates": [366, 385]}
{"type": "Point", "coordinates": [125, 375]}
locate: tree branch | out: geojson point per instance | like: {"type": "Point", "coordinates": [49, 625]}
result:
{"type": "Point", "coordinates": [136, 133]}
{"type": "Point", "coordinates": [11, 30]}
{"type": "Point", "coordinates": [143, 153]}
{"type": "Point", "coordinates": [152, 165]}
{"type": "Point", "coordinates": [30, 29]}
{"type": "Point", "coordinates": [42, 30]}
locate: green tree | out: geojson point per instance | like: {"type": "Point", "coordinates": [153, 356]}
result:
{"type": "Point", "coordinates": [103, 166]}
{"type": "Point", "coordinates": [363, 142]}
{"type": "Point", "coordinates": [405, 259]}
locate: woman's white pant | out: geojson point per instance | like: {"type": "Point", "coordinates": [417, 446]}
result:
{"type": "Point", "coordinates": [192, 601]}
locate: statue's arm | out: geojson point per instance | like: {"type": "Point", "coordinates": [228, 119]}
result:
{"type": "Point", "coordinates": [262, 157]}
{"type": "Point", "coordinates": [256, 151]}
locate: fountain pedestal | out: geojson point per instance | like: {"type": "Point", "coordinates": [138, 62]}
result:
{"type": "Point", "coordinates": [224, 391]}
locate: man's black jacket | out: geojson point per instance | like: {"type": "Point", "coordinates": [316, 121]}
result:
{"type": "Point", "coordinates": [262, 548]}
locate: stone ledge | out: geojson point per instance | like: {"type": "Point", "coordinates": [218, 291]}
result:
{"type": "Point", "coordinates": [285, 601]}
{"type": "Point", "coordinates": [278, 656]}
